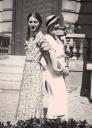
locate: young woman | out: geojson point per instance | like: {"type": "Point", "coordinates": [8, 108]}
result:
{"type": "Point", "coordinates": [57, 69]}
{"type": "Point", "coordinates": [30, 103]}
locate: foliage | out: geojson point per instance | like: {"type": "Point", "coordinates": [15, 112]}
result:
{"type": "Point", "coordinates": [46, 123]}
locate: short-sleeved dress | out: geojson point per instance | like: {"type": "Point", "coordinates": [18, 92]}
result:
{"type": "Point", "coordinates": [30, 102]}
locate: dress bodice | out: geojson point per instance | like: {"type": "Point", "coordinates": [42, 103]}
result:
{"type": "Point", "coordinates": [32, 50]}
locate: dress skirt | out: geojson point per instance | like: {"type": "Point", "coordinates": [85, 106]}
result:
{"type": "Point", "coordinates": [57, 99]}
{"type": "Point", "coordinates": [30, 103]}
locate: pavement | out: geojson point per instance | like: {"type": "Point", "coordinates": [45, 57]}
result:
{"type": "Point", "coordinates": [8, 104]}
{"type": "Point", "coordinates": [79, 107]}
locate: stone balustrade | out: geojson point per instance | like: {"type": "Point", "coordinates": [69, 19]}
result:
{"type": "Point", "coordinates": [78, 48]}
{"type": "Point", "coordinates": [74, 46]}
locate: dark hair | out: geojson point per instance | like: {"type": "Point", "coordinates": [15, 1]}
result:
{"type": "Point", "coordinates": [38, 17]}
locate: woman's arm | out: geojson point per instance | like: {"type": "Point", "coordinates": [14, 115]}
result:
{"type": "Point", "coordinates": [56, 65]}
{"type": "Point", "coordinates": [51, 52]}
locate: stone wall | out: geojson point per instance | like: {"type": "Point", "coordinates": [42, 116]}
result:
{"type": "Point", "coordinates": [6, 9]}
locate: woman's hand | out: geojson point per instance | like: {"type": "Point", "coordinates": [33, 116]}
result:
{"type": "Point", "coordinates": [58, 69]}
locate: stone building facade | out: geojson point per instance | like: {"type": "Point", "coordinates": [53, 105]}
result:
{"type": "Point", "coordinates": [13, 15]}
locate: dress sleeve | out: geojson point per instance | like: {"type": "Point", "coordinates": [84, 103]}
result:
{"type": "Point", "coordinates": [42, 42]}
{"type": "Point", "coordinates": [57, 47]}
{"type": "Point", "coordinates": [45, 45]}
{"type": "Point", "coordinates": [60, 50]}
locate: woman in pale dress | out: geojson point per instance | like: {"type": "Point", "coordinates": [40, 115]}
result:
{"type": "Point", "coordinates": [30, 103]}
{"type": "Point", "coordinates": [56, 71]}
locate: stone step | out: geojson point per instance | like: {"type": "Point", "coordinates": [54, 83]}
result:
{"type": "Point", "coordinates": [12, 61]}
{"type": "Point", "coordinates": [10, 76]}
{"type": "Point", "coordinates": [11, 69]}
{"type": "Point", "coordinates": [9, 85]}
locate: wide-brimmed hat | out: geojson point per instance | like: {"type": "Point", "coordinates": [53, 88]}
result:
{"type": "Point", "coordinates": [51, 19]}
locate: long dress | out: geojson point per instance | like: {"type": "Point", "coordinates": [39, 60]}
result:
{"type": "Point", "coordinates": [55, 84]}
{"type": "Point", "coordinates": [30, 104]}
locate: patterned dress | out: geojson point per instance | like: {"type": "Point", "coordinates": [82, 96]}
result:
{"type": "Point", "coordinates": [30, 103]}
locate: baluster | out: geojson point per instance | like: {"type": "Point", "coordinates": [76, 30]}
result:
{"type": "Point", "coordinates": [71, 42]}
{"type": "Point", "coordinates": [67, 53]}
{"type": "Point", "coordinates": [71, 46]}
{"type": "Point", "coordinates": [68, 49]}
{"type": "Point", "coordinates": [74, 51]}
{"type": "Point", "coordinates": [81, 49]}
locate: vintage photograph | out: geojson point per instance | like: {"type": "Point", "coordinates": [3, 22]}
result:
{"type": "Point", "coordinates": [45, 64]}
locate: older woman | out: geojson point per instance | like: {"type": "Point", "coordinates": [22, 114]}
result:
{"type": "Point", "coordinates": [56, 70]}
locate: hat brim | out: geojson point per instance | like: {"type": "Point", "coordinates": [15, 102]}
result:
{"type": "Point", "coordinates": [53, 21]}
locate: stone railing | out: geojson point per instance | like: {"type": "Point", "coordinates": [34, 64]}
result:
{"type": "Point", "coordinates": [79, 48]}
{"type": "Point", "coordinates": [74, 46]}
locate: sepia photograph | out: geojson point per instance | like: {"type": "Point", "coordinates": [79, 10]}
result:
{"type": "Point", "coordinates": [45, 64]}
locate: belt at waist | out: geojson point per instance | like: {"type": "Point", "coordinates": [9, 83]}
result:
{"type": "Point", "coordinates": [31, 60]}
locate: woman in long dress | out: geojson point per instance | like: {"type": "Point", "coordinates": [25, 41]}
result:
{"type": "Point", "coordinates": [30, 103]}
{"type": "Point", "coordinates": [56, 70]}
